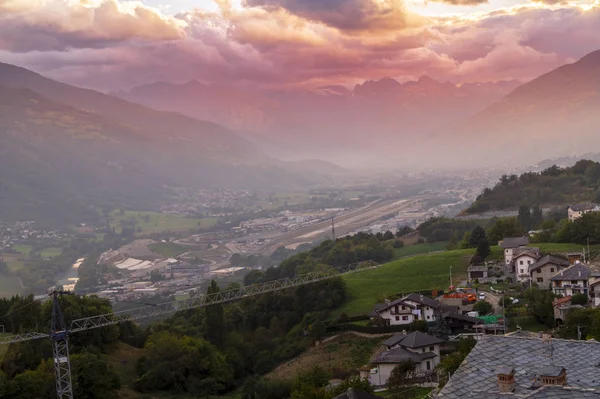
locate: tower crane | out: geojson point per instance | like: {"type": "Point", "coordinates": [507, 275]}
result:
{"type": "Point", "coordinates": [59, 331]}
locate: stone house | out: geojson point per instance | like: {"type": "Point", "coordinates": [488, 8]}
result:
{"type": "Point", "coordinates": [545, 268]}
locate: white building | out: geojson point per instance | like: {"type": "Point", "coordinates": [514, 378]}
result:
{"type": "Point", "coordinates": [420, 348]}
{"type": "Point", "coordinates": [405, 310]}
{"type": "Point", "coordinates": [577, 211]}
{"type": "Point", "coordinates": [523, 262]}
{"type": "Point", "coordinates": [511, 246]}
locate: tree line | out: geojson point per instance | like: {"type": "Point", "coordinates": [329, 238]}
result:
{"type": "Point", "coordinates": [552, 186]}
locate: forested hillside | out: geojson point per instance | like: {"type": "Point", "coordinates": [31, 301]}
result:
{"type": "Point", "coordinates": [552, 186]}
{"type": "Point", "coordinates": [197, 353]}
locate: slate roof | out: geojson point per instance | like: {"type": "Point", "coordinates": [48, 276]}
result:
{"type": "Point", "coordinates": [549, 259]}
{"type": "Point", "coordinates": [514, 242]}
{"type": "Point", "coordinates": [400, 355]}
{"type": "Point", "coordinates": [528, 252]}
{"type": "Point", "coordinates": [578, 271]}
{"type": "Point", "coordinates": [415, 339]}
{"type": "Point", "coordinates": [583, 207]}
{"type": "Point", "coordinates": [477, 375]}
{"type": "Point", "coordinates": [352, 394]}
{"type": "Point", "coordinates": [421, 299]}
{"type": "Point", "coordinates": [462, 317]}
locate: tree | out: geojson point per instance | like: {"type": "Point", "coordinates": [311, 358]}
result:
{"type": "Point", "coordinates": [401, 377]}
{"type": "Point", "coordinates": [356, 383]}
{"type": "Point", "coordinates": [537, 217]}
{"type": "Point", "coordinates": [388, 236]}
{"type": "Point", "coordinates": [477, 235]}
{"type": "Point", "coordinates": [483, 248]}
{"type": "Point", "coordinates": [579, 299]}
{"type": "Point", "coordinates": [483, 307]}
{"type": "Point", "coordinates": [318, 329]}
{"type": "Point", "coordinates": [92, 377]}
{"type": "Point", "coordinates": [524, 217]}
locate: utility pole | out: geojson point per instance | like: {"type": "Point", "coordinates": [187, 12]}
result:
{"type": "Point", "coordinates": [504, 313]}
{"type": "Point", "coordinates": [333, 229]}
{"type": "Point", "coordinates": [578, 333]}
{"type": "Point", "coordinates": [450, 275]}
{"type": "Point", "coordinates": [588, 252]}
{"type": "Point", "coordinates": [60, 349]}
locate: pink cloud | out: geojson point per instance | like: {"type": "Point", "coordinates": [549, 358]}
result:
{"type": "Point", "coordinates": [277, 46]}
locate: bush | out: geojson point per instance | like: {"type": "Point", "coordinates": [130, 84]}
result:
{"type": "Point", "coordinates": [579, 299]}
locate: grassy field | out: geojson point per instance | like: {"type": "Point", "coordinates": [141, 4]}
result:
{"type": "Point", "coordinates": [422, 272]}
{"type": "Point", "coordinates": [418, 249]}
{"type": "Point", "coordinates": [168, 249]}
{"type": "Point", "coordinates": [24, 249]}
{"type": "Point", "coordinates": [50, 252]}
{"type": "Point", "coordinates": [153, 222]}
{"type": "Point", "coordinates": [560, 247]}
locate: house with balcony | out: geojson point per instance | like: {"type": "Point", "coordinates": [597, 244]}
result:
{"type": "Point", "coordinates": [572, 280]}
{"type": "Point", "coordinates": [408, 309]}
{"type": "Point", "coordinates": [545, 268]}
{"type": "Point", "coordinates": [577, 211]}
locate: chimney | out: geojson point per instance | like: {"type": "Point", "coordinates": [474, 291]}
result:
{"type": "Point", "coordinates": [506, 379]}
{"type": "Point", "coordinates": [421, 298]}
{"type": "Point", "coordinates": [553, 375]}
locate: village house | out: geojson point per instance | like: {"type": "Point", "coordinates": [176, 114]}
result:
{"type": "Point", "coordinates": [545, 268]}
{"type": "Point", "coordinates": [577, 211]}
{"type": "Point", "coordinates": [420, 348]}
{"type": "Point", "coordinates": [572, 280]}
{"type": "Point", "coordinates": [408, 309]}
{"type": "Point", "coordinates": [511, 246]}
{"type": "Point", "coordinates": [503, 367]}
{"type": "Point", "coordinates": [522, 263]}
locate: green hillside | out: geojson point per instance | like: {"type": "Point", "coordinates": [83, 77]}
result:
{"type": "Point", "coordinates": [423, 272]}
{"type": "Point", "coordinates": [553, 186]}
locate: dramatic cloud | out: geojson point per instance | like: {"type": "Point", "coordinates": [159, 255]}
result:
{"type": "Point", "coordinates": [112, 45]}
{"type": "Point", "coordinates": [347, 15]}
{"type": "Point", "coordinates": [57, 25]}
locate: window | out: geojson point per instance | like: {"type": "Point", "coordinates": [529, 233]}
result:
{"type": "Point", "coordinates": [540, 279]}
{"type": "Point", "coordinates": [431, 348]}
{"type": "Point", "coordinates": [397, 318]}
{"type": "Point", "coordinates": [428, 317]}
{"type": "Point", "coordinates": [522, 271]}
{"type": "Point", "coordinates": [529, 262]}
{"type": "Point", "coordinates": [428, 365]}
{"type": "Point", "coordinates": [423, 350]}
{"type": "Point", "coordinates": [404, 317]}
{"type": "Point", "coordinates": [539, 270]}
{"type": "Point", "coordinates": [551, 270]}
{"type": "Point", "coordinates": [520, 262]}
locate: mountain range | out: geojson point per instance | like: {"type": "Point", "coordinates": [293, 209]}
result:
{"type": "Point", "coordinates": [309, 123]}
{"type": "Point", "coordinates": [65, 150]}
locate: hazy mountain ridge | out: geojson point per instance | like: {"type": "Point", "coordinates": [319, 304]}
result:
{"type": "Point", "coordinates": [65, 151]}
{"type": "Point", "coordinates": [329, 117]}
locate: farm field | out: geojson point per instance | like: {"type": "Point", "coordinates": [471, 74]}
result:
{"type": "Point", "coordinates": [154, 222]}
{"type": "Point", "coordinates": [168, 249]}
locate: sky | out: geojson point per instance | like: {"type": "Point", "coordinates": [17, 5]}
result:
{"type": "Point", "coordinates": [287, 44]}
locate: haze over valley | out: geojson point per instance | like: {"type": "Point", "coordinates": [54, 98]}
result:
{"type": "Point", "coordinates": [299, 199]}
